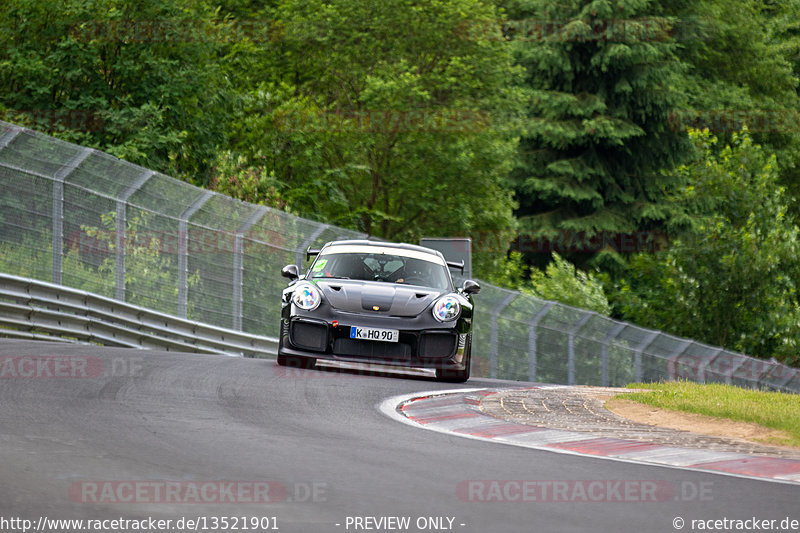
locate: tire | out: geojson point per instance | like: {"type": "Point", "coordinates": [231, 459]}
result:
{"type": "Point", "coordinates": [296, 362]}
{"type": "Point", "coordinates": [457, 376]}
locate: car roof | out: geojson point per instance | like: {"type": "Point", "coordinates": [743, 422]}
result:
{"type": "Point", "coordinates": [383, 244]}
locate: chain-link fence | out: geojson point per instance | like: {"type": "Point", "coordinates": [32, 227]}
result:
{"type": "Point", "coordinates": [526, 338]}
{"type": "Point", "coordinates": [87, 220]}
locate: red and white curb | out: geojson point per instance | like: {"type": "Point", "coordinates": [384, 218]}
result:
{"type": "Point", "coordinates": [457, 412]}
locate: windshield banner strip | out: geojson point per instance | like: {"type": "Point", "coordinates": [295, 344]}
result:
{"type": "Point", "coordinates": [366, 249]}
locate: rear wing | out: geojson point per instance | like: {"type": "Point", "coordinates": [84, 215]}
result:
{"type": "Point", "coordinates": [456, 264]}
{"type": "Point", "coordinates": [312, 252]}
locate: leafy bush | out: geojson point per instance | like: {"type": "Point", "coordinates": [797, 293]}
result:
{"type": "Point", "coordinates": [560, 281]}
{"type": "Point", "coordinates": [731, 280]}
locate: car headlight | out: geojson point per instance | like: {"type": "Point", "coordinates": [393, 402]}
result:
{"type": "Point", "coordinates": [446, 309]}
{"type": "Point", "coordinates": [306, 296]}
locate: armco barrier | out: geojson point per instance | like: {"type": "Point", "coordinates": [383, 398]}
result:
{"type": "Point", "coordinates": [35, 309]}
{"type": "Point", "coordinates": [102, 250]}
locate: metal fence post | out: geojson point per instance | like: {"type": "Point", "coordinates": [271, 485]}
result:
{"type": "Point", "coordinates": [729, 376]}
{"type": "Point", "coordinates": [300, 253]}
{"type": "Point", "coordinates": [238, 265]}
{"type": "Point", "coordinates": [122, 228]}
{"type": "Point", "coordinates": [637, 361]}
{"type": "Point", "coordinates": [701, 368]}
{"type": "Point", "coordinates": [58, 210]}
{"type": "Point", "coordinates": [610, 336]}
{"type": "Point", "coordinates": [791, 375]}
{"type": "Point", "coordinates": [673, 358]}
{"type": "Point", "coordinates": [493, 340]}
{"type": "Point", "coordinates": [571, 346]}
{"type": "Point", "coordinates": [8, 136]}
{"type": "Point", "coordinates": [764, 372]}
{"type": "Point", "coordinates": [183, 251]}
{"type": "Point", "coordinates": [540, 314]}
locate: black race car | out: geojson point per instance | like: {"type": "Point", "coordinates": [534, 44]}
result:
{"type": "Point", "coordinates": [367, 301]}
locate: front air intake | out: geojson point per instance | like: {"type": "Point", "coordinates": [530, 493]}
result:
{"type": "Point", "coordinates": [309, 335]}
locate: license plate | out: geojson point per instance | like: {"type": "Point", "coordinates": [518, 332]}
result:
{"type": "Point", "coordinates": [374, 334]}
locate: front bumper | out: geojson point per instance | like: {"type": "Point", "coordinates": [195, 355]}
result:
{"type": "Point", "coordinates": [420, 343]}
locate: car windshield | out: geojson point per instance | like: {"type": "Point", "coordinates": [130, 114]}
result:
{"type": "Point", "coordinates": [385, 267]}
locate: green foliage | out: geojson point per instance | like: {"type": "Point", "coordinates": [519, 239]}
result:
{"type": "Point", "coordinates": [739, 44]}
{"type": "Point", "coordinates": [562, 282]}
{"type": "Point", "coordinates": [254, 184]}
{"type": "Point", "coordinates": [597, 133]}
{"type": "Point", "coordinates": [398, 120]}
{"type": "Point", "coordinates": [150, 274]}
{"type": "Point", "coordinates": [773, 410]}
{"type": "Point", "coordinates": [27, 259]}
{"type": "Point", "coordinates": [732, 280]}
{"type": "Point", "coordinates": [383, 118]}
{"type": "Point", "coordinates": [743, 62]}
{"type": "Point", "coordinates": [510, 273]}
{"type": "Point", "coordinates": [140, 80]}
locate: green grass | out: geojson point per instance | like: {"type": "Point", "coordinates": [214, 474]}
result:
{"type": "Point", "coordinates": [774, 410]}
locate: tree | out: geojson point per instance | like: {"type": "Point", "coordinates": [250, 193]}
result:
{"type": "Point", "coordinates": [742, 67]}
{"type": "Point", "coordinates": [597, 135]}
{"type": "Point", "coordinates": [382, 117]}
{"type": "Point", "coordinates": [732, 280]}
{"type": "Point", "coordinates": [140, 80]}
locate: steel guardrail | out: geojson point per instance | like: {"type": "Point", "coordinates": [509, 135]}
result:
{"type": "Point", "coordinates": [31, 308]}
{"type": "Point", "coordinates": [76, 216]}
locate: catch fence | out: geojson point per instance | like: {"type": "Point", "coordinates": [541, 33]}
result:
{"type": "Point", "coordinates": [80, 218]}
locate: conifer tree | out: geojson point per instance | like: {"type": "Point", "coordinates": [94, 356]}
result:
{"type": "Point", "coordinates": [597, 131]}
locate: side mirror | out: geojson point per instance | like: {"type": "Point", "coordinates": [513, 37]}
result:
{"type": "Point", "coordinates": [290, 271]}
{"type": "Point", "coordinates": [471, 287]}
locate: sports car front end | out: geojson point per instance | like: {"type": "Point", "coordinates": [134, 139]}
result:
{"type": "Point", "coordinates": [393, 318]}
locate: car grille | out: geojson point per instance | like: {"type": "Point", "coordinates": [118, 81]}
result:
{"type": "Point", "coordinates": [309, 335]}
{"type": "Point", "coordinates": [436, 345]}
{"type": "Point", "coordinates": [362, 348]}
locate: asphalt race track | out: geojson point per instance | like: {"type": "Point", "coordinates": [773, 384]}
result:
{"type": "Point", "coordinates": [99, 433]}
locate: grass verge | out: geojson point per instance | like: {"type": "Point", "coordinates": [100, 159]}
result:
{"type": "Point", "coordinates": [774, 410]}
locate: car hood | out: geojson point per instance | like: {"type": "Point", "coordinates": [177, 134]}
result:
{"type": "Point", "coordinates": [390, 298]}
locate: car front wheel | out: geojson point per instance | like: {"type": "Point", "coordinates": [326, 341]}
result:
{"type": "Point", "coordinates": [296, 362]}
{"type": "Point", "coordinates": [457, 376]}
